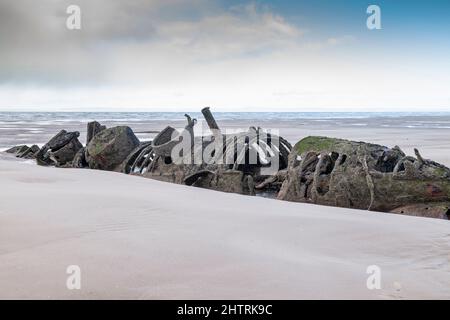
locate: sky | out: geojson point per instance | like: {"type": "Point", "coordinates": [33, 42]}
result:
{"type": "Point", "coordinates": [182, 55]}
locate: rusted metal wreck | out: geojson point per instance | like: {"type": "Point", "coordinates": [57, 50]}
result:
{"type": "Point", "coordinates": [225, 162]}
{"type": "Point", "coordinates": [319, 170]}
{"type": "Point", "coordinates": [360, 175]}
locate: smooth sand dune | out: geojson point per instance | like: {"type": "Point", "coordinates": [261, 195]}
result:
{"type": "Point", "coordinates": [138, 238]}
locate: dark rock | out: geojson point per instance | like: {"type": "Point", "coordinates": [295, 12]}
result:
{"type": "Point", "coordinates": [65, 154]}
{"type": "Point", "coordinates": [79, 161]}
{"type": "Point", "coordinates": [17, 149]}
{"type": "Point", "coordinates": [110, 147]}
{"type": "Point", "coordinates": [23, 151]}
{"type": "Point", "coordinates": [29, 153]}
{"type": "Point", "coordinates": [61, 139]}
{"type": "Point", "coordinates": [92, 129]}
{"type": "Point", "coordinates": [60, 150]}
{"type": "Point", "coordinates": [42, 158]}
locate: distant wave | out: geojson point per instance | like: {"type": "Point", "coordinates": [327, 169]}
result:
{"type": "Point", "coordinates": [49, 117]}
{"type": "Point", "coordinates": [38, 127]}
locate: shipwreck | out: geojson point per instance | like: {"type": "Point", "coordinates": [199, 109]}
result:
{"type": "Point", "coordinates": [318, 170]}
{"type": "Point", "coordinates": [361, 175]}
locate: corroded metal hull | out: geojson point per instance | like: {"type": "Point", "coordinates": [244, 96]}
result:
{"type": "Point", "coordinates": [367, 176]}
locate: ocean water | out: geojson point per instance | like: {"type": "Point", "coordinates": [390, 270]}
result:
{"type": "Point", "coordinates": [38, 127]}
{"type": "Point", "coordinates": [46, 117]}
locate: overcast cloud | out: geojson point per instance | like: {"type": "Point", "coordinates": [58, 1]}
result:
{"type": "Point", "coordinates": [184, 54]}
{"type": "Point", "coordinates": [130, 37]}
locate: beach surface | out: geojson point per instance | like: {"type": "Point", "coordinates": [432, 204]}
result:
{"type": "Point", "coordinates": [136, 238]}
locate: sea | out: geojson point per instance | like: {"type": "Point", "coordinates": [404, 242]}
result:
{"type": "Point", "coordinates": [38, 127]}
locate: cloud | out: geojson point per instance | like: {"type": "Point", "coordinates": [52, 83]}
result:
{"type": "Point", "coordinates": [240, 31]}
{"type": "Point", "coordinates": [129, 36]}
{"type": "Point", "coordinates": [184, 54]}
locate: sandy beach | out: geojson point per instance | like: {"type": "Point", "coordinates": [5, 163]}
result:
{"type": "Point", "coordinates": [226, 150]}
{"type": "Point", "coordinates": [136, 238]}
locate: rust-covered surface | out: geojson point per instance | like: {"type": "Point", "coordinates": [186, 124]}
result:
{"type": "Point", "coordinates": [361, 175]}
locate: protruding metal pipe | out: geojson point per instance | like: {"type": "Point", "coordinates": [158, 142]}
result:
{"type": "Point", "coordinates": [212, 124]}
